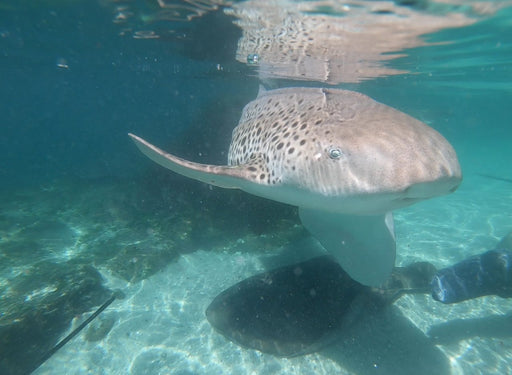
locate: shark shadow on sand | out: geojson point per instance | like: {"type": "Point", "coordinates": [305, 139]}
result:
{"type": "Point", "coordinates": [315, 306]}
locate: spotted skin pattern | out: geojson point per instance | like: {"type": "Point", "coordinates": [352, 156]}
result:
{"type": "Point", "coordinates": [308, 137]}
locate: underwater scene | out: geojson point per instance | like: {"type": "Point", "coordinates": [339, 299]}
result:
{"type": "Point", "coordinates": [255, 187]}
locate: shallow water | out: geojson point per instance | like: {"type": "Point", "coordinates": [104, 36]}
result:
{"type": "Point", "coordinates": [79, 204]}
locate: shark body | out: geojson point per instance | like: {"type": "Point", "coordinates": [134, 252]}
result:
{"type": "Point", "coordinates": [344, 159]}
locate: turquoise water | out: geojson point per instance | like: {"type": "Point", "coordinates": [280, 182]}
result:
{"type": "Point", "coordinates": [83, 213]}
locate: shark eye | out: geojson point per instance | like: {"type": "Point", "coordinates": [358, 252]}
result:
{"type": "Point", "coordinates": [334, 152]}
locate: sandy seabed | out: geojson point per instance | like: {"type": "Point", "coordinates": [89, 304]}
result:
{"type": "Point", "coordinates": [160, 327]}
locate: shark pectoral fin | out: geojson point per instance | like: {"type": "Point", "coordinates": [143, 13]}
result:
{"type": "Point", "coordinates": [234, 177]}
{"type": "Point", "coordinates": [363, 245]}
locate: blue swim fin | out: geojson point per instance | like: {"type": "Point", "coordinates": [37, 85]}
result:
{"type": "Point", "coordinates": [486, 274]}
